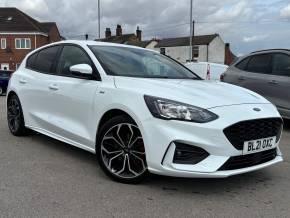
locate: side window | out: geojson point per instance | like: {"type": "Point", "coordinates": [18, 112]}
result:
{"type": "Point", "coordinates": [259, 64]}
{"type": "Point", "coordinates": [281, 65]}
{"type": "Point", "coordinates": [31, 60]}
{"type": "Point", "coordinates": [45, 59]}
{"type": "Point", "coordinates": [71, 55]}
{"type": "Point", "coordinates": [243, 64]}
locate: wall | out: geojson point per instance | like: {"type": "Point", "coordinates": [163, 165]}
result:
{"type": "Point", "coordinates": [180, 53]}
{"type": "Point", "coordinates": [216, 51]}
{"type": "Point", "coordinates": [152, 45]}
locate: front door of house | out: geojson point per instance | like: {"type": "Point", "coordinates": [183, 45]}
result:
{"type": "Point", "coordinates": [4, 66]}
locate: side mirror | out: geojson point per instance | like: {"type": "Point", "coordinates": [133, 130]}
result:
{"type": "Point", "coordinates": [82, 69]}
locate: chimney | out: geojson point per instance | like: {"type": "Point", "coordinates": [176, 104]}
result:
{"type": "Point", "coordinates": [139, 34]}
{"type": "Point", "coordinates": [119, 30]}
{"type": "Point", "coordinates": [229, 57]}
{"type": "Point", "coordinates": [108, 33]}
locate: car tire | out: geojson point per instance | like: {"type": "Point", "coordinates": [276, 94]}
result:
{"type": "Point", "coordinates": [1, 91]}
{"type": "Point", "coordinates": [15, 117]}
{"type": "Point", "coordinates": [120, 150]}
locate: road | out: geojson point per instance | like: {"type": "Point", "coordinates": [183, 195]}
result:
{"type": "Point", "coordinates": [41, 177]}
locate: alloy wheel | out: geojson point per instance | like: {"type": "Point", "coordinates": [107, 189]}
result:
{"type": "Point", "coordinates": [123, 152]}
{"type": "Point", "coordinates": [14, 114]}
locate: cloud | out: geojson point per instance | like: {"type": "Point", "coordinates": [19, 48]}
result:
{"type": "Point", "coordinates": [285, 12]}
{"type": "Point", "coordinates": [255, 38]}
{"type": "Point", "coordinates": [167, 18]}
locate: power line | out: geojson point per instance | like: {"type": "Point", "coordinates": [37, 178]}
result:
{"type": "Point", "coordinates": [165, 28]}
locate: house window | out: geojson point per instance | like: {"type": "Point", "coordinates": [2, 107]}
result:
{"type": "Point", "coordinates": [3, 43]}
{"type": "Point", "coordinates": [162, 51]}
{"type": "Point", "coordinates": [23, 43]}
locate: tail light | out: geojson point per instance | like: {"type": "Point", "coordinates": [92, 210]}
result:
{"type": "Point", "coordinates": [222, 77]}
{"type": "Point", "coordinates": [208, 72]}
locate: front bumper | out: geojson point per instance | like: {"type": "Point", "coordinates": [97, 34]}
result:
{"type": "Point", "coordinates": [159, 137]}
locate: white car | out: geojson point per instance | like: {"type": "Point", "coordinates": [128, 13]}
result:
{"type": "Point", "coordinates": [141, 112]}
{"type": "Point", "coordinates": [206, 70]}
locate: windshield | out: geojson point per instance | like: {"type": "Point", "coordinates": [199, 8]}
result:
{"type": "Point", "coordinates": [133, 62]}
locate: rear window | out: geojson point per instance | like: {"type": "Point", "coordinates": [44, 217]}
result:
{"type": "Point", "coordinates": [45, 59]}
{"type": "Point", "coordinates": [259, 64]}
{"type": "Point", "coordinates": [31, 60]}
{"type": "Point", "coordinates": [281, 65]}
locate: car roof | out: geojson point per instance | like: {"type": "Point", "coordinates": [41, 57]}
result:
{"type": "Point", "coordinates": [91, 43]}
{"type": "Point", "coordinates": [271, 50]}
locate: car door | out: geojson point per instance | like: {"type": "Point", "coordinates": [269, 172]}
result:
{"type": "Point", "coordinates": [278, 83]}
{"type": "Point", "coordinates": [235, 73]}
{"type": "Point", "coordinates": [34, 87]}
{"type": "Point", "coordinates": [255, 75]}
{"type": "Point", "coordinates": [73, 98]}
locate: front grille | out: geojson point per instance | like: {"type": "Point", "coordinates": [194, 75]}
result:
{"type": "Point", "coordinates": [244, 131]}
{"type": "Point", "coordinates": [243, 161]}
{"type": "Point", "coordinates": [188, 154]}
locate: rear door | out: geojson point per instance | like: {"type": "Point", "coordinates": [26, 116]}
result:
{"type": "Point", "coordinates": [278, 82]}
{"type": "Point", "coordinates": [236, 73]}
{"type": "Point", "coordinates": [34, 87]}
{"type": "Point", "coordinates": [256, 73]}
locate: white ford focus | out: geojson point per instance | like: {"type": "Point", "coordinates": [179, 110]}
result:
{"type": "Point", "coordinates": [141, 112]}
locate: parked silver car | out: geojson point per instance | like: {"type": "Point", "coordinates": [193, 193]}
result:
{"type": "Point", "coordinates": [266, 72]}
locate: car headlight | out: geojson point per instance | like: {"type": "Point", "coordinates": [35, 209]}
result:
{"type": "Point", "coordinates": [173, 110]}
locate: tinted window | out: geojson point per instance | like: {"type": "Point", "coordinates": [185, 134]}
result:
{"type": "Point", "coordinates": [281, 65]}
{"type": "Point", "coordinates": [31, 60]}
{"type": "Point", "coordinates": [243, 64]}
{"type": "Point", "coordinates": [259, 64]}
{"type": "Point", "coordinates": [45, 59]}
{"type": "Point", "coordinates": [71, 55]}
{"type": "Point", "coordinates": [132, 62]}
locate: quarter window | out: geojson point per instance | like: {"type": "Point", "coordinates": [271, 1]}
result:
{"type": "Point", "coordinates": [3, 43]}
{"type": "Point", "coordinates": [242, 65]}
{"type": "Point", "coordinates": [259, 64]}
{"type": "Point", "coordinates": [71, 55]}
{"type": "Point", "coordinates": [31, 60]}
{"type": "Point", "coordinates": [281, 65]}
{"type": "Point", "coordinates": [44, 60]}
{"type": "Point", "coordinates": [23, 43]}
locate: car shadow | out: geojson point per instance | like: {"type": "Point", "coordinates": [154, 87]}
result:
{"type": "Point", "coordinates": [170, 185]}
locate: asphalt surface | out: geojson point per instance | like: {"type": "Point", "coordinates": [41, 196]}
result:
{"type": "Point", "coordinates": [42, 177]}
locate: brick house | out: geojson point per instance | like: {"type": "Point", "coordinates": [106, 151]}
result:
{"type": "Point", "coordinates": [120, 37]}
{"type": "Point", "coordinates": [20, 34]}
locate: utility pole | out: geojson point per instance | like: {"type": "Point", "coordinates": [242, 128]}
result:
{"type": "Point", "coordinates": [191, 25]}
{"type": "Point", "coordinates": [99, 18]}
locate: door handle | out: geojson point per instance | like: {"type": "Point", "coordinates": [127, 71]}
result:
{"type": "Point", "coordinates": [23, 81]}
{"type": "Point", "coordinates": [274, 82]}
{"type": "Point", "coordinates": [53, 87]}
{"type": "Point", "coordinates": [241, 78]}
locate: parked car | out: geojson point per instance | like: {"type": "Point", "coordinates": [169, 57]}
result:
{"type": "Point", "coordinates": [267, 73]}
{"type": "Point", "coordinates": [206, 70]}
{"type": "Point", "coordinates": [141, 112]}
{"type": "Point", "coordinates": [4, 79]}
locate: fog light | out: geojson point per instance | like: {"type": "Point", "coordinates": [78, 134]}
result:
{"type": "Point", "coordinates": [188, 154]}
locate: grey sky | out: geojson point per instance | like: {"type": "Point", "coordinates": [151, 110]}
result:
{"type": "Point", "coordinates": [247, 24]}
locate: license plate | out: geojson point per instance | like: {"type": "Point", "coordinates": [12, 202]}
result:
{"type": "Point", "coordinates": [259, 145]}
